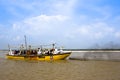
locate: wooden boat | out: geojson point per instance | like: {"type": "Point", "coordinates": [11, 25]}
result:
{"type": "Point", "coordinates": [37, 54]}
{"type": "Point", "coordinates": [60, 56]}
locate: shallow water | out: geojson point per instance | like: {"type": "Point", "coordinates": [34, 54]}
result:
{"type": "Point", "coordinates": [58, 70]}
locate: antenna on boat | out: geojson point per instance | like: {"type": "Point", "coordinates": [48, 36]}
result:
{"type": "Point", "coordinates": [25, 42]}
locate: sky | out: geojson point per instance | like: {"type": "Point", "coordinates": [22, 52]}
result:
{"type": "Point", "coordinates": [78, 24]}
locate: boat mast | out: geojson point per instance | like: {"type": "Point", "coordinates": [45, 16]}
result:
{"type": "Point", "coordinates": [25, 42]}
{"type": "Point", "coordinates": [9, 46]}
{"type": "Point", "coordinates": [53, 45]}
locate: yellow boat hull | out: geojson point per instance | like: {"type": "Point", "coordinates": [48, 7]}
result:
{"type": "Point", "coordinates": [40, 58]}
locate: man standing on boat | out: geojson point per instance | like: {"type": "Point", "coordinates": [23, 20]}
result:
{"type": "Point", "coordinates": [51, 54]}
{"type": "Point", "coordinates": [39, 52]}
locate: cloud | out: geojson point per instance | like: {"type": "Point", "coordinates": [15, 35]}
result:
{"type": "Point", "coordinates": [56, 28]}
{"type": "Point", "coordinates": [64, 7]}
{"type": "Point", "coordinates": [27, 9]}
{"type": "Point", "coordinates": [98, 30]}
{"type": "Point", "coordinates": [40, 24]}
{"type": "Point", "coordinates": [117, 34]}
{"type": "Point", "coordinates": [44, 28]}
{"type": "Point", "coordinates": [66, 21]}
{"type": "Point", "coordinates": [17, 38]}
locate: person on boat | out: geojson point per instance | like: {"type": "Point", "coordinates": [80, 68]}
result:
{"type": "Point", "coordinates": [22, 52]}
{"type": "Point", "coordinates": [56, 51]}
{"type": "Point", "coordinates": [16, 52]}
{"type": "Point", "coordinates": [34, 52]}
{"type": "Point", "coordinates": [51, 53]}
{"type": "Point", "coordinates": [60, 51]}
{"type": "Point", "coordinates": [27, 52]}
{"type": "Point", "coordinates": [39, 52]}
{"type": "Point", "coordinates": [47, 52]}
{"type": "Point", "coordinates": [10, 52]}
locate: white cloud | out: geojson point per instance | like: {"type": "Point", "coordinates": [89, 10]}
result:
{"type": "Point", "coordinates": [117, 34]}
{"type": "Point", "coordinates": [25, 8]}
{"type": "Point", "coordinates": [45, 18]}
{"type": "Point", "coordinates": [15, 27]}
{"type": "Point", "coordinates": [1, 36]}
{"type": "Point", "coordinates": [60, 20]}
{"type": "Point", "coordinates": [94, 31]}
{"type": "Point", "coordinates": [40, 25]}
{"type": "Point", "coordinates": [64, 7]}
{"type": "Point", "coordinates": [17, 38]}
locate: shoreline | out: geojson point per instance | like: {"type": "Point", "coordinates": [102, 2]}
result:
{"type": "Point", "coordinates": [96, 55]}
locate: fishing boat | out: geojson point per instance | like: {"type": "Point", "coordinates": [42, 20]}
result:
{"type": "Point", "coordinates": [60, 56]}
{"type": "Point", "coordinates": [42, 54]}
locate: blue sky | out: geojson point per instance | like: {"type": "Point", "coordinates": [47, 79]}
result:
{"type": "Point", "coordinates": [68, 23]}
